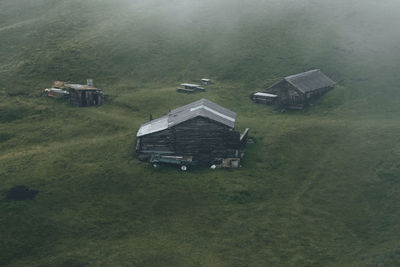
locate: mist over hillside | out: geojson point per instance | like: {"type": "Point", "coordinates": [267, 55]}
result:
{"type": "Point", "coordinates": [174, 40]}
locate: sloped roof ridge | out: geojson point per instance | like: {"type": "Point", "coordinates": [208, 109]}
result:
{"type": "Point", "coordinates": [203, 108]}
{"type": "Point", "coordinates": [302, 74]}
{"type": "Point", "coordinates": [310, 80]}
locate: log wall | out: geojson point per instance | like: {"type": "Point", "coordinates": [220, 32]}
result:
{"type": "Point", "coordinates": [84, 98]}
{"type": "Point", "coordinates": [201, 138]}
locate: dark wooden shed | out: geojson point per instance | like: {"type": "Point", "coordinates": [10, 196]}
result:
{"type": "Point", "coordinates": [298, 91]}
{"type": "Point", "coordinates": [205, 81]}
{"type": "Point", "coordinates": [85, 95]}
{"type": "Point", "coordinates": [202, 130]}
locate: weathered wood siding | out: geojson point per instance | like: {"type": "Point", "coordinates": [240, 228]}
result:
{"type": "Point", "coordinates": [84, 98]}
{"type": "Point", "coordinates": [201, 138]}
{"type": "Point", "coordinates": [292, 98]}
{"type": "Point", "coordinates": [156, 143]}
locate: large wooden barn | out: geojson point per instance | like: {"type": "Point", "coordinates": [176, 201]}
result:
{"type": "Point", "coordinates": [298, 91]}
{"type": "Point", "coordinates": [202, 131]}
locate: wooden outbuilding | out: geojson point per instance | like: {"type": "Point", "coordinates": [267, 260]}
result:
{"type": "Point", "coordinates": [55, 93]}
{"type": "Point", "coordinates": [190, 88]}
{"type": "Point", "coordinates": [298, 91]}
{"type": "Point", "coordinates": [78, 94]}
{"type": "Point", "coordinates": [201, 131]}
{"type": "Point", "coordinates": [205, 81]}
{"type": "Point", "coordinates": [264, 98]}
{"type": "Point", "coordinates": [85, 95]}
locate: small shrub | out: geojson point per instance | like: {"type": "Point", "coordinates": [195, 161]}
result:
{"type": "Point", "coordinates": [16, 92]}
{"type": "Point", "coordinates": [5, 137]}
{"type": "Point", "coordinates": [21, 192]}
{"type": "Point", "coordinates": [10, 114]}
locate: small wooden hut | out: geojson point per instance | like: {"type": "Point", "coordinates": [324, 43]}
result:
{"type": "Point", "coordinates": [190, 88]}
{"type": "Point", "coordinates": [202, 131]}
{"type": "Point", "coordinates": [298, 91]}
{"type": "Point", "coordinates": [205, 81]}
{"type": "Point", "coordinates": [85, 95]}
{"type": "Point", "coordinates": [78, 94]}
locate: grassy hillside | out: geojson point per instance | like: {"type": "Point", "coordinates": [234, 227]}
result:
{"type": "Point", "coordinates": [319, 187]}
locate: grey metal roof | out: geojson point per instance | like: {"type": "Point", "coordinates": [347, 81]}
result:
{"type": "Point", "coordinates": [59, 91]}
{"type": "Point", "coordinates": [80, 86]}
{"type": "Point", "coordinates": [310, 80]}
{"type": "Point", "coordinates": [265, 94]}
{"type": "Point", "coordinates": [190, 85]}
{"type": "Point", "coordinates": [153, 126]}
{"type": "Point", "coordinates": [201, 108]}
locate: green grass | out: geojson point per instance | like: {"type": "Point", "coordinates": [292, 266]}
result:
{"type": "Point", "coordinates": [318, 187]}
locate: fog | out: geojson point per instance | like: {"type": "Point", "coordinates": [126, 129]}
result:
{"type": "Point", "coordinates": [358, 26]}
{"type": "Point", "coordinates": [254, 40]}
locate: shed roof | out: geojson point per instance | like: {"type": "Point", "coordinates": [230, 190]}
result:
{"type": "Point", "coordinates": [265, 94]}
{"type": "Point", "coordinates": [80, 86]}
{"type": "Point", "coordinates": [310, 80]}
{"type": "Point", "coordinates": [190, 85]}
{"type": "Point", "coordinates": [57, 90]}
{"type": "Point", "coordinates": [201, 108]}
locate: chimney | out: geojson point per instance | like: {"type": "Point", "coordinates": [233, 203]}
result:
{"type": "Point", "coordinates": [90, 82]}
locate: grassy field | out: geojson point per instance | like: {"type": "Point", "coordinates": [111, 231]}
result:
{"type": "Point", "coordinates": [319, 187]}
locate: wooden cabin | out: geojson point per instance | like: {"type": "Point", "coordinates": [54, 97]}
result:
{"type": "Point", "coordinates": [85, 95]}
{"type": "Point", "coordinates": [201, 130]}
{"type": "Point", "coordinates": [78, 94]}
{"type": "Point", "coordinates": [298, 91]}
{"type": "Point", "coordinates": [205, 81]}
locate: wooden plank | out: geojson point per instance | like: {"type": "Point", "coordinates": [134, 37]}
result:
{"type": "Point", "coordinates": [184, 90]}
